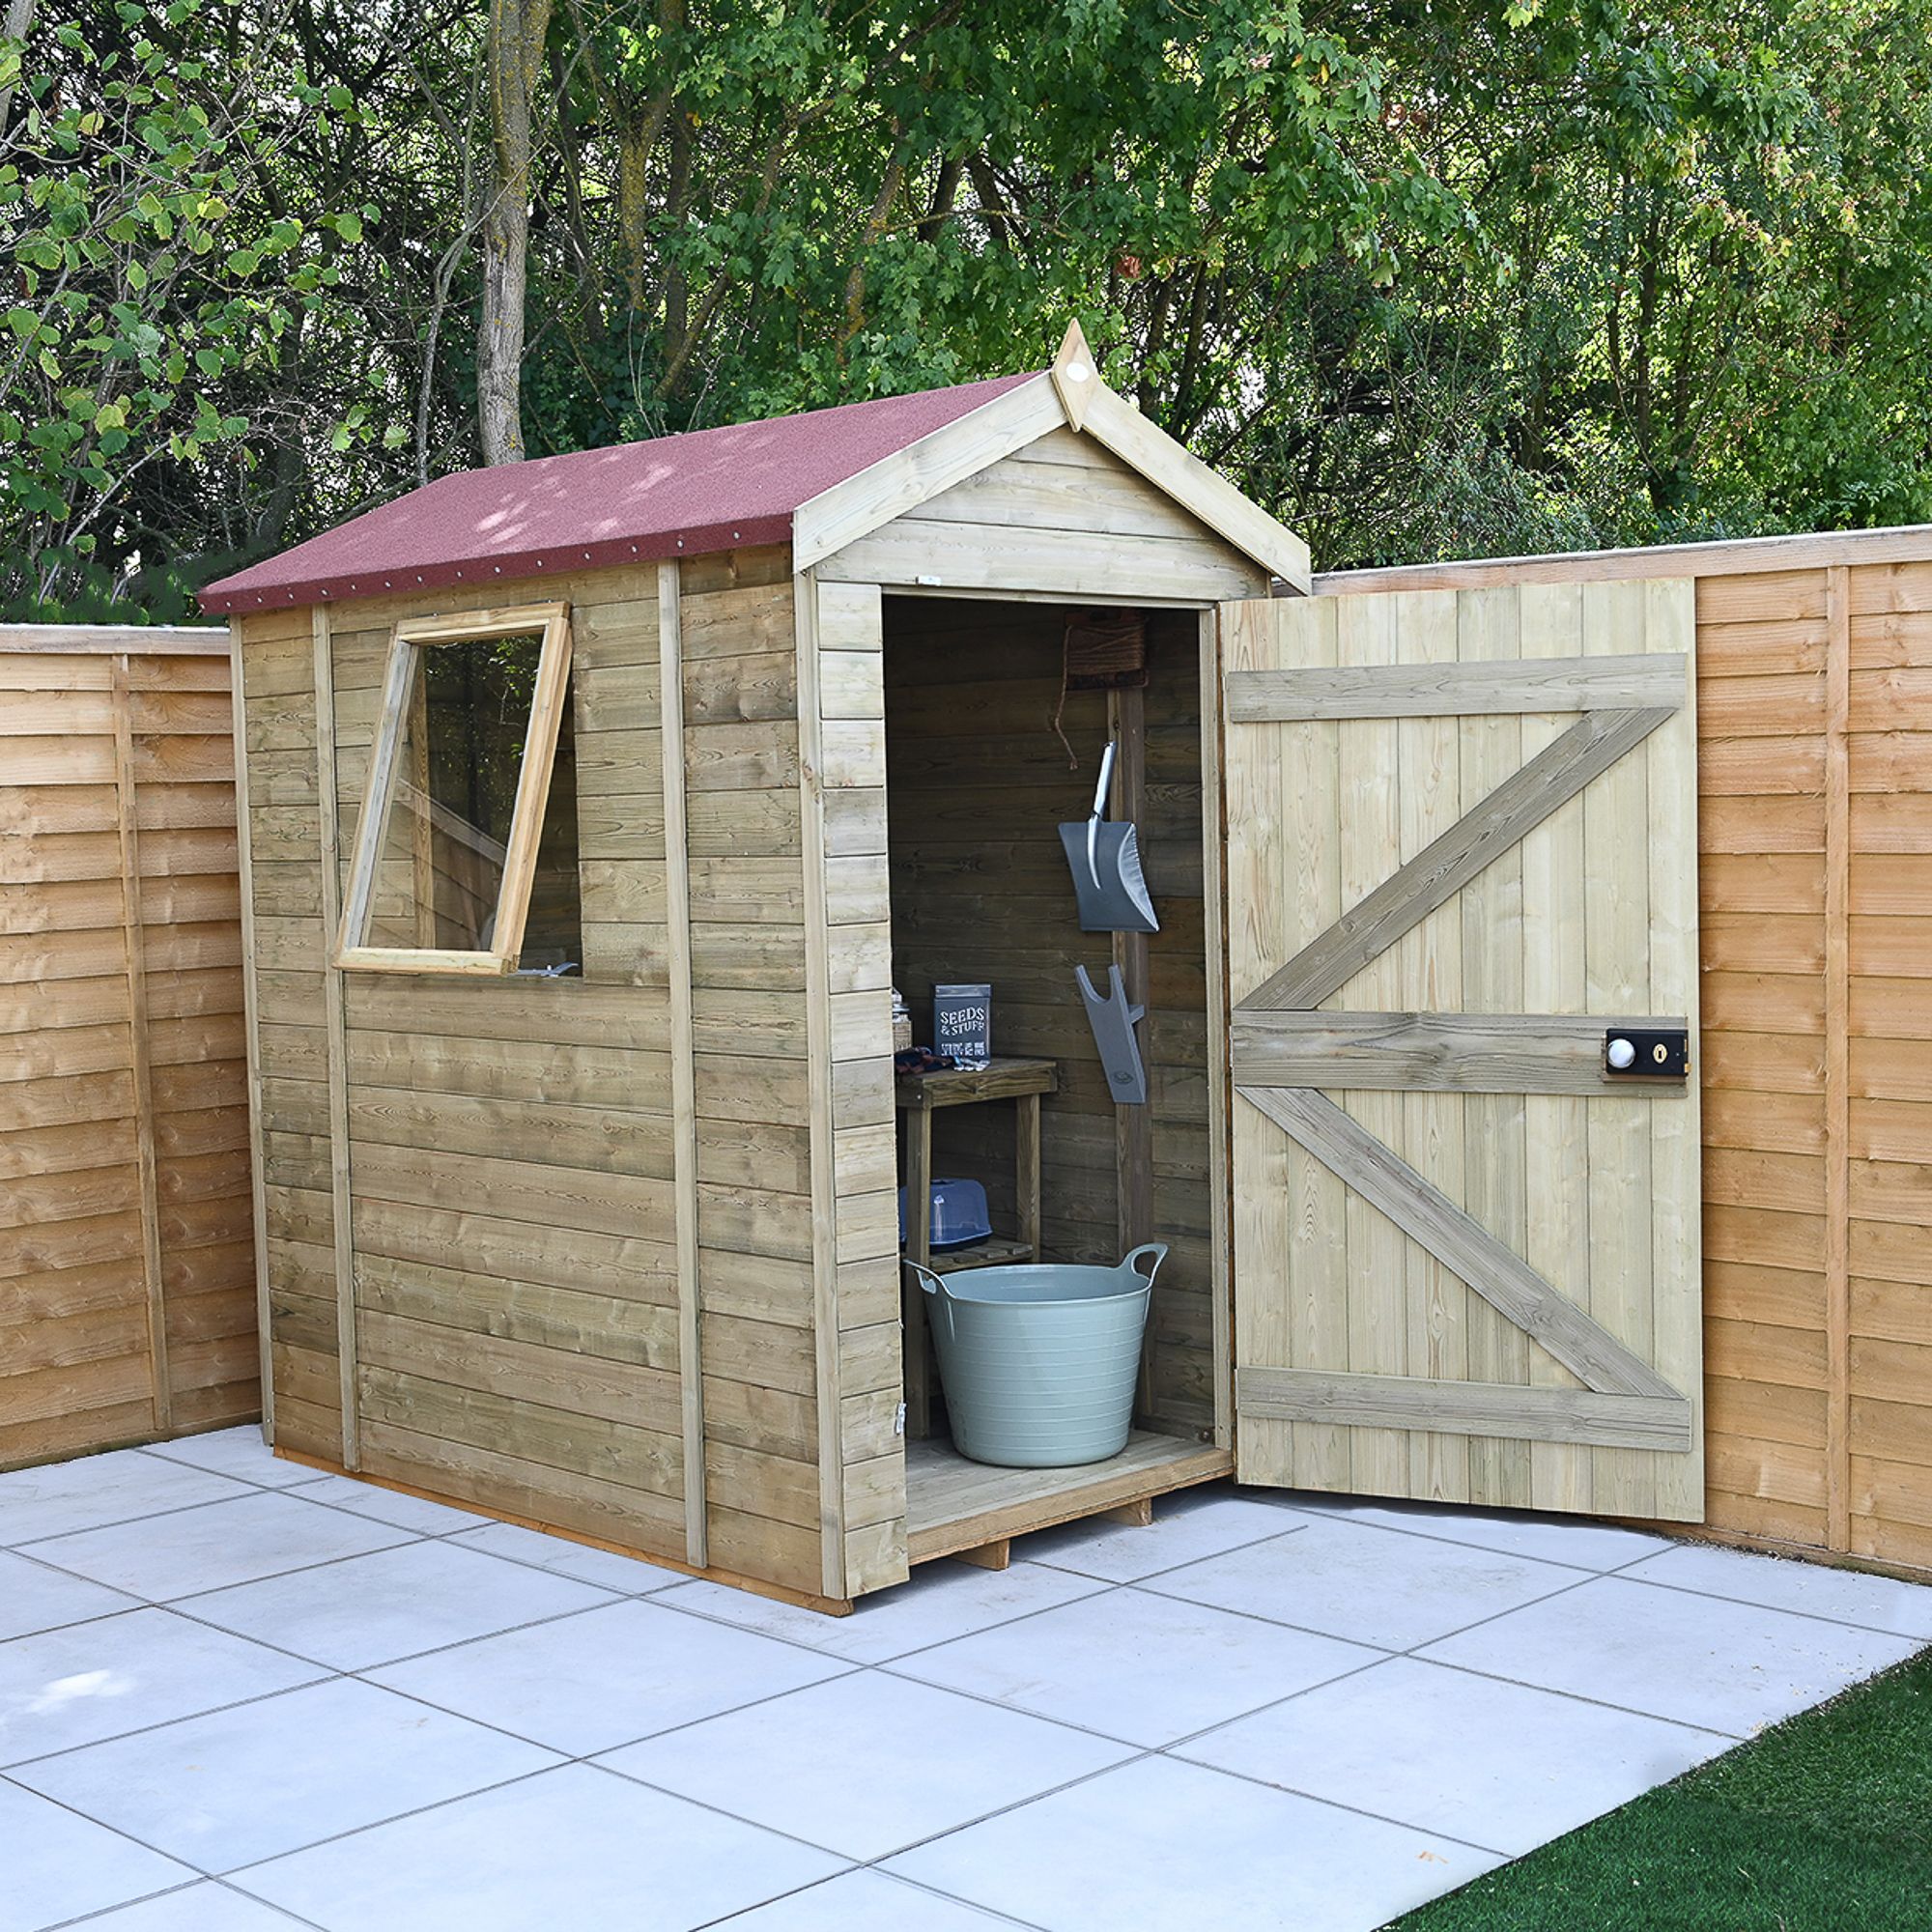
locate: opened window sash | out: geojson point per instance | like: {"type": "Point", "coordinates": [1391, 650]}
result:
{"type": "Point", "coordinates": [403, 702]}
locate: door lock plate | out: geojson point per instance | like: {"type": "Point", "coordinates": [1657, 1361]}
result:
{"type": "Point", "coordinates": [1632, 1053]}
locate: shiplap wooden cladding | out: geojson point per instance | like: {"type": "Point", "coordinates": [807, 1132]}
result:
{"type": "Point", "coordinates": [126, 1245]}
{"type": "Point", "coordinates": [1460, 846]}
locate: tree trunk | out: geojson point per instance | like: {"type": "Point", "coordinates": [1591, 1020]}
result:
{"type": "Point", "coordinates": [16, 26]}
{"type": "Point", "coordinates": [515, 65]}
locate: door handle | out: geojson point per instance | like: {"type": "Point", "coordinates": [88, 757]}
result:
{"type": "Point", "coordinates": [1634, 1053]}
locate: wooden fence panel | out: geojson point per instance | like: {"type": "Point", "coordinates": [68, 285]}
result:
{"type": "Point", "coordinates": [127, 1257]}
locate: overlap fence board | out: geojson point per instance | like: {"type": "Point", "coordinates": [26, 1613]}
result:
{"type": "Point", "coordinates": [126, 1256]}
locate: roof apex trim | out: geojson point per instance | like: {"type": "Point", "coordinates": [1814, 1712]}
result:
{"type": "Point", "coordinates": [1070, 395]}
{"type": "Point", "coordinates": [842, 515]}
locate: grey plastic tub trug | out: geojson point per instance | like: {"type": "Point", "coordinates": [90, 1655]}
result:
{"type": "Point", "coordinates": [1039, 1362]}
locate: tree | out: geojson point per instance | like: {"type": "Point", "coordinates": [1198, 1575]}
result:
{"type": "Point", "coordinates": [149, 276]}
{"type": "Point", "coordinates": [1481, 275]}
{"type": "Point", "coordinates": [515, 58]}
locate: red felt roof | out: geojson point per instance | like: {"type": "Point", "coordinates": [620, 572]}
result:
{"type": "Point", "coordinates": [676, 495]}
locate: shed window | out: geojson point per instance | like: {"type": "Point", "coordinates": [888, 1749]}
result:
{"type": "Point", "coordinates": [465, 851]}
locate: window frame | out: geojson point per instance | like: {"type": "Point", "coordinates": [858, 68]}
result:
{"type": "Point", "coordinates": [513, 897]}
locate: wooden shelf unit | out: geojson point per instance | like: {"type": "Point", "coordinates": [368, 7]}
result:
{"type": "Point", "coordinates": [917, 1097]}
{"type": "Point", "coordinates": [998, 1252]}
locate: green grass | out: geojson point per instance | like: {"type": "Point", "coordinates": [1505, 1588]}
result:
{"type": "Point", "coordinates": [1821, 1825]}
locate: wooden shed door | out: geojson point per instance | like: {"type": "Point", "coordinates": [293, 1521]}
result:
{"type": "Point", "coordinates": [1461, 850]}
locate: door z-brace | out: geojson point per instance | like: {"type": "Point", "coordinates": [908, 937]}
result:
{"type": "Point", "coordinates": [1112, 1021]}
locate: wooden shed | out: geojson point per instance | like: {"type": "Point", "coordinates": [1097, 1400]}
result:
{"type": "Point", "coordinates": [126, 1253]}
{"type": "Point", "coordinates": [593, 808]}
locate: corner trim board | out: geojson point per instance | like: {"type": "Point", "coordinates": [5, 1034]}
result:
{"type": "Point", "coordinates": [819, 1098]}
{"type": "Point", "coordinates": [683, 1065]}
{"type": "Point", "coordinates": [337, 1034]}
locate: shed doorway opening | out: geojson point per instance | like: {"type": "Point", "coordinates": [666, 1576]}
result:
{"type": "Point", "coordinates": [979, 782]}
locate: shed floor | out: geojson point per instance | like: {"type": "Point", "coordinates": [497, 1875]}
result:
{"type": "Point", "coordinates": [952, 1504]}
{"type": "Point", "coordinates": [239, 1691]}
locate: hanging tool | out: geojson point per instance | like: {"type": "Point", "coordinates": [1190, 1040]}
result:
{"type": "Point", "coordinates": [1105, 860]}
{"type": "Point", "coordinates": [1112, 1021]}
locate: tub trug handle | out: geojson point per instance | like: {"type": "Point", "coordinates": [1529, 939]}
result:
{"type": "Point", "coordinates": [1158, 1249]}
{"type": "Point", "coordinates": [928, 1280]}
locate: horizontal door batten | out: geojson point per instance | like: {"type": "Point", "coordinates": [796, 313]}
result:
{"type": "Point", "coordinates": [1439, 1053]}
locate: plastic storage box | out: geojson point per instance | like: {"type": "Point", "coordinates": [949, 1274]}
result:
{"type": "Point", "coordinates": [958, 1214]}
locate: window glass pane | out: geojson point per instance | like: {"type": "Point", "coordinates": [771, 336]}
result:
{"type": "Point", "coordinates": [441, 867]}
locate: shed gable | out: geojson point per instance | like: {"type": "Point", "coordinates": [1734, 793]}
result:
{"type": "Point", "coordinates": [1061, 514]}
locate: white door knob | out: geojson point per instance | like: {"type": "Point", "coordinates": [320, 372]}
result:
{"type": "Point", "coordinates": [1621, 1054]}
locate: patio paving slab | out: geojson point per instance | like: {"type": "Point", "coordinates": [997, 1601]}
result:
{"type": "Point", "coordinates": [58, 1499]}
{"type": "Point", "coordinates": [1570, 1540]}
{"type": "Point", "coordinates": [610, 1677]}
{"type": "Point", "coordinates": [539, 1854]}
{"type": "Point", "coordinates": [942, 1600]}
{"type": "Point", "coordinates": [1695, 1660]}
{"type": "Point", "coordinates": [392, 1604]}
{"type": "Point", "coordinates": [248, 1783]}
{"type": "Point", "coordinates": [240, 1453]}
{"type": "Point", "coordinates": [391, 1506]}
{"type": "Point", "coordinates": [1188, 1530]}
{"type": "Point", "coordinates": [207, 1906]}
{"type": "Point", "coordinates": [1133, 1666]}
{"type": "Point", "coordinates": [867, 1764]}
{"type": "Point", "coordinates": [257, 1533]}
{"type": "Point", "coordinates": [628, 1575]}
{"type": "Point", "coordinates": [1260, 1711]}
{"type": "Point", "coordinates": [1846, 1596]}
{"type": "Point", "coordinates": [75, 1685]}
{"type": "Point", "coordinates": [57, 1866]}
{"type": "Point", "coordinates": [864, 1899]}
{"type": "Point", "coordinates": [1492, 1764]}
{"type": "Point", "coordinates": [1368, 1585]}
{"type": "Point", "coordinates": [1158, 1844]}
{"type": "Point", "coordinates": [35, 1598]}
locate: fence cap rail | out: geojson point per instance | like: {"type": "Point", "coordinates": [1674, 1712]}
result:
{"type": "Point", "coordinates": [161, 640]}
{"type": "Point", "coordinates": [1812, 550]}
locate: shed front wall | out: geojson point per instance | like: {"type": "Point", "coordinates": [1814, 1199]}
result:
{"type": "Point", "coordinates": [127, 1263]}
{"type": "Point", "coordinates": [476, 1190]}
{"type": "Point", "coordinates": [1815, 887]}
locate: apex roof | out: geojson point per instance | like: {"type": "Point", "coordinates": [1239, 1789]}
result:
{"type": "Point", "coordinates": [675, 496]}
{"type": "Point", "coordinates": [747, 483]}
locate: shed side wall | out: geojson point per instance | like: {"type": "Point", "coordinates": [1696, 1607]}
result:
{"type": "Point", "coordinates": [127, 1298]}
{"type": "Point", "coordinates": [509, 1147]}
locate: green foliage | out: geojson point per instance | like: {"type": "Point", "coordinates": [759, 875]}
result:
{"type": "Point", "coordinates": [1477, 276]}
{"type": "Point", "coordinates": [147, 276]}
